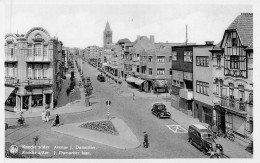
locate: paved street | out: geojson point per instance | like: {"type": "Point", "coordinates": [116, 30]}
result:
{"type": "Point", "coordinates": [136, 114]}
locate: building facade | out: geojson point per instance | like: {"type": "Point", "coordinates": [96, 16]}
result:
{"type": "Point", "coordinates": [203, 84]}
{"type": "Point", "coordinates": [32, 73]}
{"type": "Point", "coordinates": [233, 78]}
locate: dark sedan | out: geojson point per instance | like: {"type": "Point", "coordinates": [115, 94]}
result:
{"type": "Point", "coordinates": [160, 111]}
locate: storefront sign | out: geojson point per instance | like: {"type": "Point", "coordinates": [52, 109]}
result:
{"type": "Point", "coordinates": [188, 76]}
{"type": "Point", "coordinates": [37, 91]}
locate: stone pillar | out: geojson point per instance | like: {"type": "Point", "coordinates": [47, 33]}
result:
{"type": "Point", "coordinates": [30, 103]}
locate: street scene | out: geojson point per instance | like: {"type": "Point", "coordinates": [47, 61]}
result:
{"type": "Point", "coordinates": [131, 95]}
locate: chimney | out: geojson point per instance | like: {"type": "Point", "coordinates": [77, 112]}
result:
{"type": "Point", "coordinates": [209, 42]}
{"type": "Point", "coordinates": [152, 38]}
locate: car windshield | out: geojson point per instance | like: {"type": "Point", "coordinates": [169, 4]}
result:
{"type": "Point", "coordinates": [206, 135]}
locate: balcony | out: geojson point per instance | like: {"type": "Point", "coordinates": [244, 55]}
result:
{"type": "Point", "coordinates": [186, 94]}
{"type": "Point", "coordinates": [38, 59]}
{"type": "Point", "coordinates": [234, 105]}
{"type": "Point", "coordinates": [11, 81]}
{"type": "Point", "coordinates": [32, 82]}
{"type": "Point", "coordinates": [11, 59]}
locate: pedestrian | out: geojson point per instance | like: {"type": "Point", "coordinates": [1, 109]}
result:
{"type": "Point", "coordinates": [68, 91]}
{"type": "Point", "coordinates": [57, 120]}
{"type": "Point", "coordinates": [145, 140]}
{"type": "Point", "coordinates": [215, 131]}
{"type": "Point", "coordinates": [48, 114]}
{"type": "Point", "coordinates": [44, 115]}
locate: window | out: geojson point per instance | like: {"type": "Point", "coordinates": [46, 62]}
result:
{"type": "Point", "coordinates": [234, 41]}
{"type": "Point", "coordinates": [174, 82]}
{"type": "Point", "coordinates": [160, 59]}
{"type": "Point", "coordinates": [150, 71]}
{"type": "Point", "coordinates": [37, 71]}
{"type": "Point", "coordinates": [217, 88]}
{"type": "Point", "coordinates": [170, 58]}
{"type": "Point", "coordinates": [202, 61]}
{"type": "Point", "coordinates": [45, 51]}
{"type": "Point", "coordinates": [29, 71]}
{"type": "Point", "coordinates": [234, 62]}
{"type": "Point", "coordinates": [137, 69]}
{"type": "Point", "coordinates": [202, 87]}
{"type": "Point", "coordinates": [231, 91]}
{"type": "Point", "coordinates": [174, 55]}
{"type": "Point", "coordinates": [170, 71]}
{"type": "Point", "coordinates": [29, 50]}
{"type": "Point", "coordinates": [160, 71]}
{"type": "Point", "coordinates": [11, 52]}
{"type": "Point", "coordinates": [218, 60]}
{"type": "Point", "coordinates": [250, 99]}
{"type": "Point", "coordinates": [181, 84]}
{"type": "Point", "coordinates": [45, 71]}
{"type": "Point", "coordinates": [37, 50]}
{"type": "Point", "coordinates": [188, 56]}
{"type": "Point", "coordinates": [150, 58]}
{"type": "Point", "coordinates": [241, 93]}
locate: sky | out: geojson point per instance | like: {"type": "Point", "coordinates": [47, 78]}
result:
{"type": "Point", "coordinates": [81, 25]}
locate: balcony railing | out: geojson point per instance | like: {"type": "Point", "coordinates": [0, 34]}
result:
{"type": "Point", "coordinates": [238, 106]}
{"type": "Point", "coordinates": [38, 82]}
{"type": "Point", "coordinates": [11, 81]}
{"type": "Point", "coordinates": [9, 58]}
{"type": "Point", "coordinates": [38, 59]}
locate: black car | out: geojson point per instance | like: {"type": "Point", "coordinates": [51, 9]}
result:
{"type": "Point", "coordinates": [201, 137]}
{"type": "Point", "coordinates": [101, 78]}
{"type": "Point", "coordinates": [160, 111]}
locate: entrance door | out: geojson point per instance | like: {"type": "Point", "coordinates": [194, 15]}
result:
{"type": "Point", "coordinates": [196, 111]}
{"type": "Point", "coordinates": [221, 120]}
{"type": "Point", "coordinates": [25, 102]}
{"type": "Point", "coordinates": [48, 99]}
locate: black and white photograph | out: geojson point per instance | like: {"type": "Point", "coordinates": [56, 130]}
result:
{"type": "Point", "coordinates": [126, 80]}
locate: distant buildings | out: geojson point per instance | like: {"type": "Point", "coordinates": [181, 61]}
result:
{"type": "Point", "coordinates": [32, 70]}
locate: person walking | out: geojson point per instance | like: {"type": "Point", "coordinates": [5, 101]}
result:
{"type": "Point", "coordinates": [48, 114]}
{"type": "Point", "coordinates": [57, 120]}
{"type": "Point", "coordinates": [145, 140]}
{"type": "Point", "coordinates": [214, 130]}
{"type": "Point", "coordinates": [44, 115]}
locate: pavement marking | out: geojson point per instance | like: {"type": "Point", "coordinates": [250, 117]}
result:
{"type": "Point", "coordinates": [177, 129]}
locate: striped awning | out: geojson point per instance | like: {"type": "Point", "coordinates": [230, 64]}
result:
{"type": "Point", "coordinates": [8, 91]}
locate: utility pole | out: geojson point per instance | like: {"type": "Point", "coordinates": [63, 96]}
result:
{"type": "Point", "coordinates": [186, 35]}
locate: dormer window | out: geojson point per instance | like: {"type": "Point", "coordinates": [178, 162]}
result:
{"type": "Point", "coordinates": [234, 41]}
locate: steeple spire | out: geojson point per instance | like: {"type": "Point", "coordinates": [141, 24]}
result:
{"type": "Point", "coordinates": [107, 27]}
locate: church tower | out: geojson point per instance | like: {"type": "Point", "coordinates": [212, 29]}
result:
{"type": "Point", "coordinates": [107, 35]}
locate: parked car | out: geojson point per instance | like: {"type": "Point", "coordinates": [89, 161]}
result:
{"type": "Point", "coordinates": [202, 138]}
{"type": "Point", "coordinates": [159, 110]}
{"type": "Point", "coordinates": [101, 78]}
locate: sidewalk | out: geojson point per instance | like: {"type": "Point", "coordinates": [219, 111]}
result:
{"type": "Point", "coordinates": [231, 149]}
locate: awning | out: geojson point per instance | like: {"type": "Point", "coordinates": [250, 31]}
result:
{"type": "Point", "coordinates": [8, 91]}
{"type": "Point", "coordinates": [134, 80]}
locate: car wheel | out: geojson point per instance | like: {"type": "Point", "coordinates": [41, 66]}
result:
{"type": "Point", "coordinates": [191, 141]}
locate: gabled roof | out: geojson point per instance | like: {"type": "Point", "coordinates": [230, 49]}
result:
{"type": "Point", "coordinates": [243, 24]}
{"type": "Point", "coordinates": [107, 27]}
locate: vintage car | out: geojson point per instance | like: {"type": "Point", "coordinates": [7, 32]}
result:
{"type": "Point", "coordinates": [202, 138]}
{"type": "Point", "coordinates": [160, 111]}
{"type": "Point", "coordinates": [101, 78]}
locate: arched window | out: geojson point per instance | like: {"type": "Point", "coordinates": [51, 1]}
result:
{"type": "Point", "coordinates": [37, 50]}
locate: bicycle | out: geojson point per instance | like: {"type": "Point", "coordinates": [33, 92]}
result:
{"type": "Point", "coordinates": [229, 134]}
